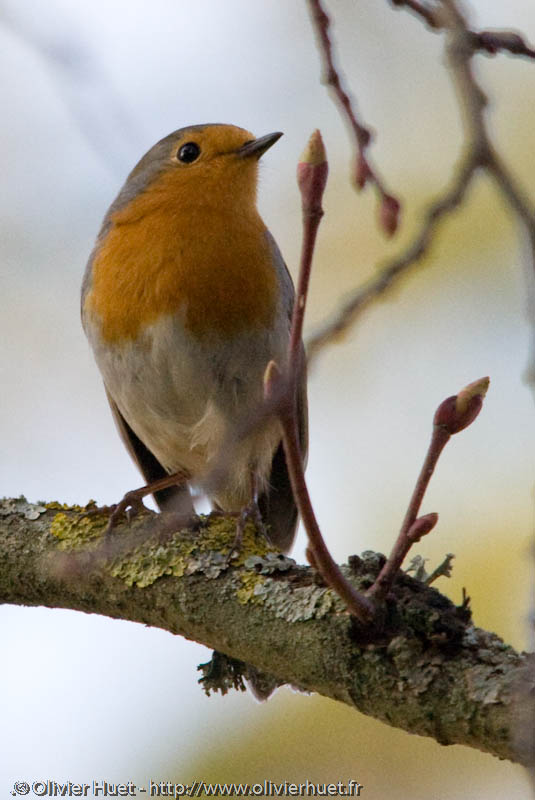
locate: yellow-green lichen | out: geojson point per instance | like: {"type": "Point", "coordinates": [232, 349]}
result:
{"type": "Point", "coordinates": [53, 505]}
{"type": "Point", "coordinates": [146, 564]}
{"type": "Point", "coordinates": [75, 532]}
{"type": "Point", "coordinates": [216, 533]}
{"type": "Point", "coordinates": [186, 553]}
{"type": "Point", "coordinates": [220, 536]}
{"type": "Point", "coordinates": [249, 592]}
{"type": "Point", "coordinates": [202, 549]}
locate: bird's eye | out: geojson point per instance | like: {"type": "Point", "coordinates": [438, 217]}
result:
{"type": "Point", "coordinates": [188, 152]}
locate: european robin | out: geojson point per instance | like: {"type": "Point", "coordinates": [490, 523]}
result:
{"type": "Point", "coordinates": [185, 300]}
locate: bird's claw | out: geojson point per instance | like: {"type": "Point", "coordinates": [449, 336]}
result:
{"type": "Point", "coordinates": [249, 513]}
{"type": "Point", "coordinates": [131, 505]}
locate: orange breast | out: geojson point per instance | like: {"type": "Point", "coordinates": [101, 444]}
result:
{"type": "Point", "coordinates": [209, 261]}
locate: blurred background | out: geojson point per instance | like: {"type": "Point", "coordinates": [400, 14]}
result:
{"type": "Point", "coordinates": [86, 89]}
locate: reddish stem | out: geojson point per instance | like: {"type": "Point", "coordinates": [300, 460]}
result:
{"type": "Point", "coordinates": [312, 186]}
{"type": "Point", "coordinates": [358, 604]}
{"type": "Point", "coordinates": [453, 415]}
{"type": "Point", "coordinates": [419, 8]}
{"type": "Point", "coordinates": [405, 540]}
{"type": "Point", "coordinates": [282, 388]}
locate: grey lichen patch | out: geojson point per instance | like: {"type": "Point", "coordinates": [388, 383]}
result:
{"type": "Point", "coordinates": [270, 563]}
{"type": "Point", "coordinates": [416, 670]}
{"type": "Point", "coordinates": [284, 599]}
{"type": "Point", "coordinates": [20, 505]}
{"type": "Point", "coordinates": [483, 687]}
{"type": "Point", "coordinates": [211, 563]}
{"type": "Point", "coordinates": [296, 604]}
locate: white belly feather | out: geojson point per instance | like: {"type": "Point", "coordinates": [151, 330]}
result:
{"type": "Point", "coordinates": [182, 400]}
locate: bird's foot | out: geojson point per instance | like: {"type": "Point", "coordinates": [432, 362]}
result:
{"type": "Point", "coordinates": [131, 504]}
{"type": "Point", "coordinates": [249, 513]}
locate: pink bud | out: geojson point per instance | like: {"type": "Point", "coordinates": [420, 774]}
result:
{"type": "Point", "coordinates": [422, 526]}
{"type": "Point", "coordinates": [312, 171]}
{"type": "Point", "coordinates": [389, 214]}
{"type": "Point", "coordinates": [459, 411]}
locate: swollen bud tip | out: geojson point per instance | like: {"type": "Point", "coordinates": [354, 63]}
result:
{"type": "Point", "coordinates": [422, 526]}
{"type": "Point", "coordinates": [459, 411]}
{"type": "Point", "coordinates": [477, 388]}
{"type": "Point", "coordinates": [312, 173]}
{"type": "Point", "coordinates": [314, 153]}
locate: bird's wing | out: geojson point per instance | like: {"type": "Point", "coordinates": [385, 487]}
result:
{"type": "Point", "coordinates": [175, 498]}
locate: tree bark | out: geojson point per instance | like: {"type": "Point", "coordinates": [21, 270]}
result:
{"type": "Point", "coordinates": [425, 669]}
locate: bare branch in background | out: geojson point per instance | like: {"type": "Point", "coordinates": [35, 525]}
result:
{"type": "Point", "coordinates": [393, 271]}
{"type": "Point", "coordinates": [472, 101]}
{"type": "Point", "coordinates": [493, 42]}
{"type": "Point", "coordinates": [423, 10]}
{"type": "Point", "coordinates": [479, 154]}
{"type": "Point", "coordinates": [364, 173]}
{"type": "Point", "coordinates": [490, 42]}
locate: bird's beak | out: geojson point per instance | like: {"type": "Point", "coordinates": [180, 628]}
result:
{"type": "Point", "coordinates": [257, 147]}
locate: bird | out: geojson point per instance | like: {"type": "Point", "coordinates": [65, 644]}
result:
{"type": "Point", "coordinates": [185, 300]}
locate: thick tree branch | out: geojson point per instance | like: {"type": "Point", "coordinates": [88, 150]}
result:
{"type": "Point", "coordinates": [428, 670]}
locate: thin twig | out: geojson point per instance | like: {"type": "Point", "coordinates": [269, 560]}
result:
{"type": "Point", "coordinates": [492, 42]}
{"type": "Point", "coordinates": [311, 177]}
{"type": "Point", "coordinates": [364, 173]}
{"type": "Point", "coordinates": [453, 415]}
{"type": "Point", "coordinates": [421, 10]}
{"type": "Point", "coordinates": [358, 604]}
{"type": "Point", "coordinates": [489, 42]}
{"type": "Point", "coordinates": [281, 387]}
